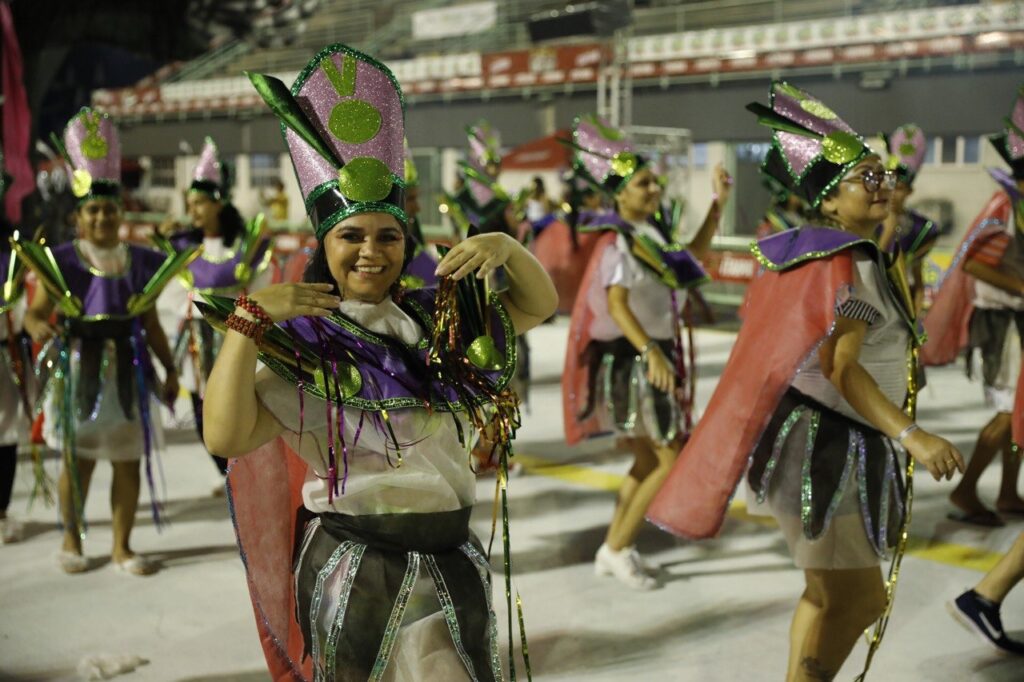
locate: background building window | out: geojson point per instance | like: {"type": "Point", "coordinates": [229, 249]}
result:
{"type": "Point", "coordinates": [264, 170]}
{"type": "Point", "coordinates": [161, 173]}
{"type": "Point", "coordinates": [972, 149]}
{"type": "Point", "coordinates": [948, 149]}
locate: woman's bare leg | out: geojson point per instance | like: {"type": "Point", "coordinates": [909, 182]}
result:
{"type": "Point", "coordinates": [72, 542]}
{"type": "Point", "coordinates": [644, 462]}
{"type": "Point", "coordinates": [1007, 573]}
{"type": "Point", "coordinates": [124, 502]}
{"type": "Point", "coordinates": [995, 436]}
{"type": "Point", "coordinates": [631, 512]}
{"type": "Point", "coordinates": [851, 600]}
{"type": "Point", "coordinates": [806, 613]}
{"type": "Point", "coordinates": [1009, 499]}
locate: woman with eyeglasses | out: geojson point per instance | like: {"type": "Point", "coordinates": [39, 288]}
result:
{"type": "Point", "coordinates": [817, 389]}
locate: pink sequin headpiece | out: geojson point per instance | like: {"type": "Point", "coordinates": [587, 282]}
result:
{"type": "Point", "coordinates": [812, 148]}
{"type": "Point", "coordinates": [907, 149]}
{"type": "Point", "coordinates": [1010, 142]}
{"type": "Point", "coordinates": [603, 156]}
{"type": "Point", "coordinates": [92, 147]}
{"type": "Point", "coordinates": [210, 175]}
{"type": "Point", "coordinates": [484, 146]}
{"type": "Point", "coordinates": [344, 124]}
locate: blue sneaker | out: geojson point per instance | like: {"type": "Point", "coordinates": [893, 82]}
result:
{"type": "Point", "coordinates": [980, 615]}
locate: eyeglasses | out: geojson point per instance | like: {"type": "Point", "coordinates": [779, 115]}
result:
{"type": "Point", "coordinates": [874, 180]}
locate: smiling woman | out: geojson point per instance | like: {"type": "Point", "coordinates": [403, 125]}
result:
{"type": "Point", "coordinates": [353, 443]}
{"type": "Point", "coordinates": [817, 390]}
{"type": "Point", "coordinates": [102, 390]}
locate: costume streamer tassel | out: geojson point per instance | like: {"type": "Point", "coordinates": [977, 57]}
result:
{"type": "Point", "coordinates": [464, 302]}
{"type": "Point", "coordinates": [878, 632]}
{"type": "Point", "coordinates": [142, 387]}
{"type": "Point", "coordinates": [67, 428]}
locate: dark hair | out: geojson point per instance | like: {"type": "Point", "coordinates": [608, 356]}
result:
{"type": "Point", "coordinates": [317, 270]}
{"type": "Point", "coordinates": [231, 223]}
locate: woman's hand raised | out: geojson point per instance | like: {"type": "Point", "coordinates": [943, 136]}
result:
{"type": "Point", "coordinates": [484, 253]}
{"type": "Point", "coordinates": [296, 299]}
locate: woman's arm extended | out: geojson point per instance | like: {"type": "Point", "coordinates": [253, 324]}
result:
{"type": "Point", "coordinates": [721, 183]}
{"type": "Point", "coordinates": [157, 341]}
{"type": "Point", "coordinates": [531, 297]}
{"type": "Point", "coordinates": [840, 363]}
{"type": "Point", "coordinates": [659, 370]}
{"type": "Point", "coordinates": [998, 279]}
{"type": "Point", "coordinates": [234, 421]}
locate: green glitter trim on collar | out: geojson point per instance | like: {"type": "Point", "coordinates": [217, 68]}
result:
{"type": "Point", "coordinates": [99, 273]}
{"type": "Point", "coordinates": [755, 249]}
{"type": "Point", "coordinates": [287, 372]}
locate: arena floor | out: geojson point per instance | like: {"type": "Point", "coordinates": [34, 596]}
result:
{"type": "Point", "coordinates": [722, 613]}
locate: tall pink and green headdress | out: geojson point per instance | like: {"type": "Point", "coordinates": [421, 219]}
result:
{"type": "Point", "coordinates": [907, 149]}
{"type": "Point", "coordinates": [344, 123]}
{"type": "Point", "coordinates": [211, 174]}
{"type": "Point", "coordinates": [812, 148]}
{"type": "Point", "coordinates": [91, 145]}
{"type": "Point", "coordinates": [603, 156]}
{"type": "Point", "coordinates": [1010, 141]}
{"type": "Point", "coordinates": [484, 145]}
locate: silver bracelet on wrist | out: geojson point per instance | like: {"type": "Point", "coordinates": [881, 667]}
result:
{"type": "Point", "coordinates": [906, 432]}
{"type": "Point", "coordinates": [648, 347]}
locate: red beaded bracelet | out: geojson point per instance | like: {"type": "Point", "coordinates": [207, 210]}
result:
{"type": "Point", "coordinates": [248, 328]}
{"type": "Point", "coordinates": [255, 309]}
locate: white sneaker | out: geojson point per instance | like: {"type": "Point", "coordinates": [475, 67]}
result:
{"type": "Point", "coordinates": [648, 567]}
{"type": "Point", "coordinates": [10, 531]}
{"type": "Point", "coordinates": [623, 566]}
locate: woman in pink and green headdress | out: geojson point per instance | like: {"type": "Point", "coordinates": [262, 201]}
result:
{"type": "Point", "coordinates": [629, 370]}
{"type": "Point", "coordinates": [818, 388]}
{"type": "Point", "coordinates": [905, 228]}
{"type": "Point", "coordinates": [980, 310]}
{"type": "Point", "coordinates": [102, 393]}
{"type": "Point", "coordinates": [235, 257]}
{"type": "Point", "coordinates": [353, 443]}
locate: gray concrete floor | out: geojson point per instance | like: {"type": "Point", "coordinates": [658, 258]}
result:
{"type": "Point", "coordinates": [723, 613]}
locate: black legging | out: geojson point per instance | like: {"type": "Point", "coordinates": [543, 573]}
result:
{"type": "Point", "coordinates": [197, 409]}
{"type": "Point", "coordinates": [8, 460]}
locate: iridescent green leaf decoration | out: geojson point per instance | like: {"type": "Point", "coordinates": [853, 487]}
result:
{"type": "Point", "coordinates": [841, 147]}
{"type": "Point", "coordinates": [287, 109]}
{"type": "Point", "coordinates": [483, 353]}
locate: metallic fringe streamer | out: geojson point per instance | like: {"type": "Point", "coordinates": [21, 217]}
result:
{"type": "Point", "coordinates": [138, 340]}
{"type": "Point", "coordinates": [67, 429]}
{"type": "Point", "coordinates": [19, 349]}
{"type": "Point", "coordinates": [455, 370]}
{"type": "Point", "coordinates": [875, 636]}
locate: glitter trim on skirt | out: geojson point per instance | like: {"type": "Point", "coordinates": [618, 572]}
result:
{"type": "Point", "coordinates": [396, 597]}
{"type": "Point", "coordinates": [623, 399]}
{"type": "Point", "coordinates": [834, 485]}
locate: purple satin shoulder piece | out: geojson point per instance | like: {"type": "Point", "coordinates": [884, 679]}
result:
{"type": "Point", "coordinates": [213, 275]}
{"type": "Point", "coordinates": [1006, 183]}
{"type": "Point", "coordinates": [388, 368]}
{"type": "Point", "coordinates": [106, 295]}
{"type": "Point", "coordinates": [804, 243]}
{"type": "Point", "coordinates": [422, 266]}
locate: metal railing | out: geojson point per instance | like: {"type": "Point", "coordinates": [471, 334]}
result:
{"type": "Point", "coordinates": [384, 27]}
